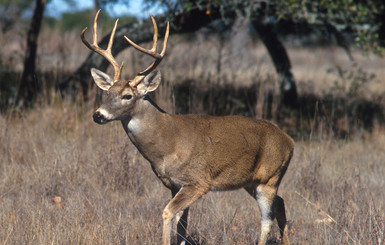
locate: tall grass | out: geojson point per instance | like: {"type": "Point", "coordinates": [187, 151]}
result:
{"type": "Point", "coordinates": [66, 180]}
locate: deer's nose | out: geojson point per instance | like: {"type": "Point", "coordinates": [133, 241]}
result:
{"type": "Point", "coordinates": [98, 118]}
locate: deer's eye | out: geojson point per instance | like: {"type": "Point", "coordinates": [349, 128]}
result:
{"type": "Point", "coordinates": [127, 97]}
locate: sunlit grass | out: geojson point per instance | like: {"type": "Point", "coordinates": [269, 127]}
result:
{"type": "Point", "coordinates": [67, 180]}
{"type": "Point", "coordinates": [108, 194]}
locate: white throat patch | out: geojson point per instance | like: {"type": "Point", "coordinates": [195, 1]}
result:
{"type": "Point", "coordinates": [134, 126]}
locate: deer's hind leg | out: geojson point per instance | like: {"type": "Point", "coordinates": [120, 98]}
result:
{"type": "Point", "coordinates": [279, 208]}
{"type": "Point", "coordinates": [271, 206]}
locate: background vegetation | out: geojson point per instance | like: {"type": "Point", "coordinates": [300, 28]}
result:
{"type": "Point", "coordinates": [64, 179]}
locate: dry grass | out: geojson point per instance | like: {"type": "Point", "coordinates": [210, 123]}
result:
{"type": "Point", "coordinates": [66, 180]}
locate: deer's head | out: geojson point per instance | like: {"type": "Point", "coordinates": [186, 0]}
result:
{"type": "Point", "coordinates": [122, 96]}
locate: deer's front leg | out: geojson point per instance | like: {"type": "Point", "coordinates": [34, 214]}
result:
{"type": "Point", "coordinates": [182, 200]}
{"type": "Point", "coordinates": [181, 221]}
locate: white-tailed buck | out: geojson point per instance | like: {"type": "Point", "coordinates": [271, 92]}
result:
{"type": "Point", "coordinates": [195, 154]}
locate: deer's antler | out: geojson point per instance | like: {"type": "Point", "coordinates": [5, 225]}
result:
{"type": "Point", "coordinates": [105, 53]}
{"type": "Point", "coordinates": [152, 52]}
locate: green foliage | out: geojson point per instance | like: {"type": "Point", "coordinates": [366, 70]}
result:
{"type": "Point", "coordinates": [104, 4]}
{"type": "Point", "coordinates": [49, 22]}
{"type": "Point", "coordinates": [75, 20]}
{"type": "Point", "coordinates": [81, 19]}
{"type": "Point", "coordinates": [360, 19]}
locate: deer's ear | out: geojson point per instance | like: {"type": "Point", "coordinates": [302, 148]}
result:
{"type": "Point", "coordinates": [101, 79]}
{"type": "Point", "coordinates": [150, 82]}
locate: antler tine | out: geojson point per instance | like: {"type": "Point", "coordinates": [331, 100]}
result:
{"type": "Point", "coordinates": [105, 53]}
{"type": "Point", "coordinates": [155, 36]}
{"type": "Point", "coordinates": [152, 52]}
{"type": "Point", "coordinates": [95, 30]}
{"type": "Point", "coordinates": [165, 39]}
{"type": "Point", "coordinates": [157, 61]}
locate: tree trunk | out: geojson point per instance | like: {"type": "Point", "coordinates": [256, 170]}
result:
{"type": "Point", "coordinates": [281, 62]}
{"type": "Point", "coordinates": [29, 85]}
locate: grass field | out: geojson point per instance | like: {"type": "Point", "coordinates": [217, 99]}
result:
{"type": "Point", "coordinates": [66, 180]}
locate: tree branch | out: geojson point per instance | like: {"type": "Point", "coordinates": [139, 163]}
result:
{"type": "Point", "coordinates": [140, 32]}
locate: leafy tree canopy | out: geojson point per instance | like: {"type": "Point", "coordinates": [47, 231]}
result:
{"type": "Point", "coordinates": [361, 21]}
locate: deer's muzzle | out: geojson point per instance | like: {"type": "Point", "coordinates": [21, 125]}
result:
{"type": "Point", "coordinates": [99, 118]}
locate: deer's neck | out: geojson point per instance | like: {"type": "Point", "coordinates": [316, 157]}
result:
{"type": "Point", "coordinates": [145, 113]}
{"type": "Point", "coordinates": [145, 127]}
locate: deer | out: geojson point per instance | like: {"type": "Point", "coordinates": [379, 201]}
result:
{"type": "Point", "coordinates": [194, 154]}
